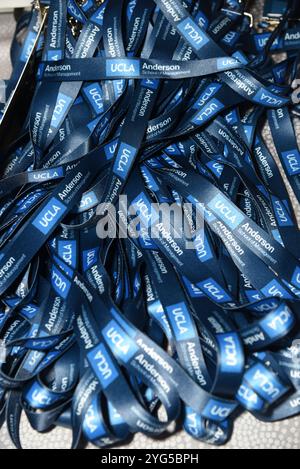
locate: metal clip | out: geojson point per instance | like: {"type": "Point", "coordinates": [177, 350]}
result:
{"type": "Point", "coordinates": [38, 5]}
{"type": "Point", "coordinates": [249, 15]}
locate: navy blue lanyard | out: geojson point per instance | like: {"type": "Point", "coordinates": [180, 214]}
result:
{"type": "Point", "coordinates": [163, 102]}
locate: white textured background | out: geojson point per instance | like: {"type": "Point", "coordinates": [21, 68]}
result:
{"type": "Point", "coordinates": [248, 432]}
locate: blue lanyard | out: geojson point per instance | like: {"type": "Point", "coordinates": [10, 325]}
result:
{"type": "Point", "coordinates": [142, 107]}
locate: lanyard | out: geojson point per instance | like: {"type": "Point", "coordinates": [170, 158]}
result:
{"type": "Point", "coordinates": [149, 251]}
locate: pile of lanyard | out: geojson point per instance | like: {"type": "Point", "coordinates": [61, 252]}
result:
{"type": "Point", "coordinates": [164, 102]}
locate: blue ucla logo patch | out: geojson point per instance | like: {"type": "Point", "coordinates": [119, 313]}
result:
{"type": "Point", "coordinates": [45, 175]}
{"type": "Point", "coordinates": [49, 216]}
{"type": "Point", "coordinates": [275, 290]}
{"type": "Point", "coordinates": [102, 365]}
{"type": "Point", "coordinates": [120, 344]}
{"type": "Point", "coordinates": [90, 258]}
{"type": "Point", "coordinates": [210, 91]}
{"type": "Point", "coordinates": [203, 250]}
{"type": "Point", "coordinates": [282, 212]}
{"type": "Point", "coordinates": [249, 399]}
{"type": "Point", "coordinates": [62, 104]}
{"type": "Point", "coordinates": [26, 203]}
{"type": "Point", "coordinates": [265, 383]}
{"type": "Point", "coordinates": [210, 109]}
{"type": "Point", "coordinates": [144, 210]}
{"type": "Point", "coordinates": [278, 323]}
{"type": "Point", "coordinates": [124, 160]}
{"type": "Point", "coordinates": [180, 320]}
{"type": "Point", "coordinates": [214, 291]}
{"type": "Point", "coordinates": [120, 68]}
{"type": "Point", "coordinates": [231, 352]}
{"type": "Point", "coordinates": [93, 427]}
{"type": "Point", "coordinates": [291, 160]}
{"type": "Point", "coordinates": [67, 250]}
{"type": "Point", "coordinates": [94, 95]}
{"type": "Point", "coordinates": [218, 411]}
{"type": "Point", "coordinates": [227, 63]}
{"type": "Point", "coordinates": [269, 99]}
{"type": "Point", "coordinates": [60, 283]}
{"type": "Point", "coordinates": [222, 207]}
{"type": "Point", "coordinates": [193, 34]}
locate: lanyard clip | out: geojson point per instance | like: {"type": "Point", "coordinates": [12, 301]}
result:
{"type": "Point", "coordinates": [250, 16]}
{"type": "Point", "coordinates": [244, 4]}
{"type": "Point", "coordinates": [38, 4]}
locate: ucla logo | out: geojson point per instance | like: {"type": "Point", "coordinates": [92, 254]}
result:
{"type": "Point", "coordinates": [262, 39]}
{"type": "Point", "coordinates": [207, 95]}
{"type": "Point", "coordinates": [49, 216]}
{"type": "Point", "coordinates": [29, 202]}
{"type": "Point", "coordinates": [119, 86]}
{"type": "Point", "coordinates": [28, 46]}
{"type": "Point", "coordinates": [221, 206]}
{"type": "Point", "coordinates": [179, 317]}
{"type": "Point", "coordinates": [295, 403]}
{"type": "Point", "coordinates": [281, 212]}
{"type": "Point", "coordinates": [29, 311]}
{"type": "Point", "coordinates": [62, 104]}
{"type": "Point", "coordinates": [279, 322]}
{"type": "Point", "coordinates": [192, 424]}
{"type": "Point", "coordinates": [214, 291]}
{"type": "Point", "coordinates": [60, 284]}
{"type": "Point", "coordinates": [120, 68]}
{"type": "Point", "coordinates": [291, 161]}
{"type": "Point", "coordinates": [40, 398]}
{"type": "Point", "coordinates": [119, 343]}
{"type": "Point", "coordinates": [193, 34]}
{"type": "Point", "coordinates": [124, 160]}
{"type": "Point", "coordinates": [217, 411]}
{"type": "Point", "coordinates": [92, 425]}
{"type": "Point", "coordinates": [144, 210]}
{"type": "Point", "coordinates": [211, 109]}
{"type": "Point", "coordinates": [249, 398]}
{"type": "Point", "coordinates": [102, 366]}
{"type": "Point", "coordinates": [55, 174]}
{"type": "Point", "coordinates": [230, 38]}
{"type": "Point", "coordinates": [267, 385]}
{"type": "Point", "coordinates": [275, 290]}
{"type": "Point", "coordinates": [216, 168]}
{"type": "Point", "coordinates": [94, 95]}
{"type": "Point", "coordinates": [230, 352]}
{"type": "Point", "coordinates": [90, 258]}
{"type": "Point", "coordinates": [67, 252]}
{"type": "Point", "coordinates": [227, 63]}
{"type": "Point", "coordinates": [203, 250]}
{"type": "Point", "coordinates": [89, 201]}
{"type": "Point", "coordinates": [271, 100]}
